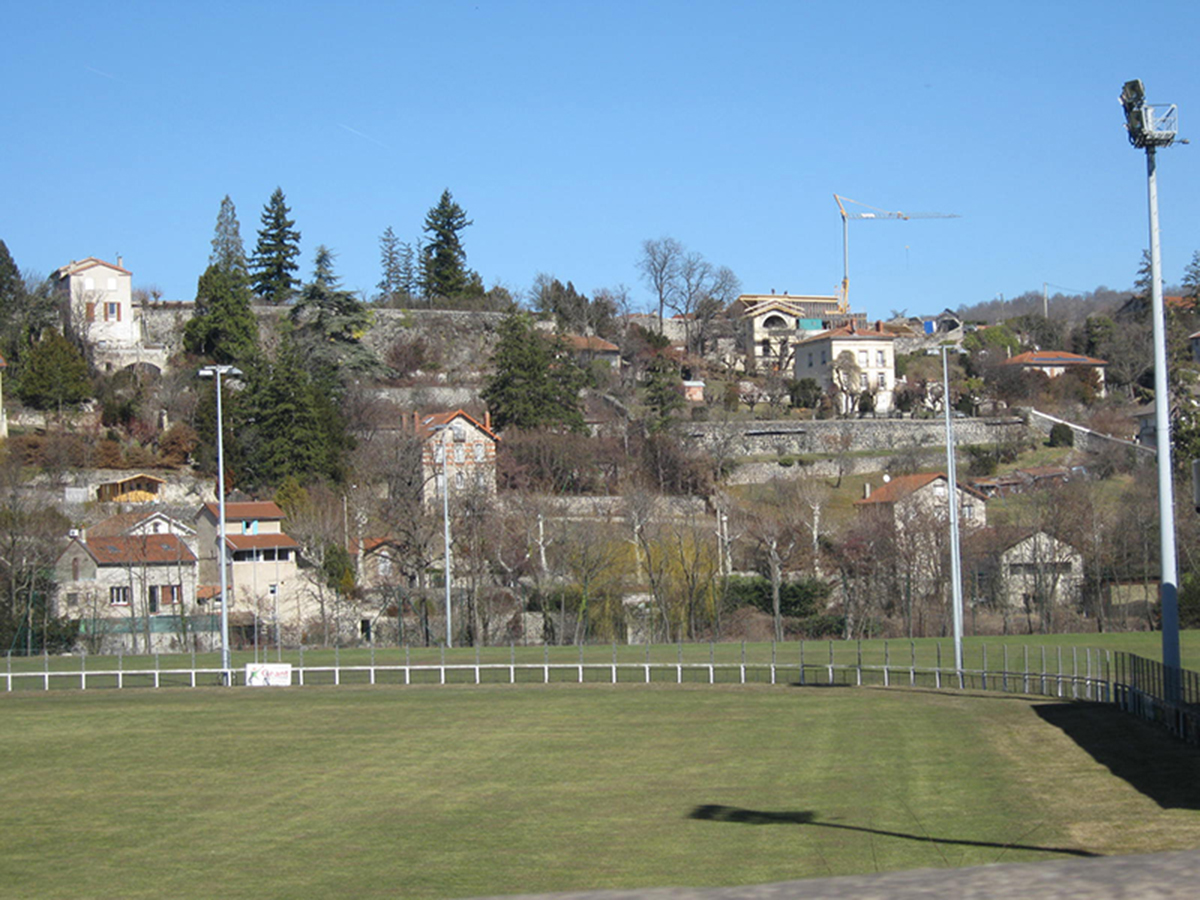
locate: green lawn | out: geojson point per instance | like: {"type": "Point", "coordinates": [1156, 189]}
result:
{"type": "Point", "coordinates": [461, 791]}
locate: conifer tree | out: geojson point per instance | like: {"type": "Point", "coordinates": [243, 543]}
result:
{"type": "Point", "coordinates": [444, 261]}
{"type": "Point", "coordinates": [276, 251]}
{"type": "Point", "coordinates": [331, 321]}
{"type": "Point", "coordinates": [223, 327]}
{"type": "Point", "coordinates": [536, 384]}
{"type": "Point", "coordinates": [55, 374]}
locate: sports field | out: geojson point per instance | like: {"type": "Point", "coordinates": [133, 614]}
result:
{"type": "Point", "coordinates": [456, 791]}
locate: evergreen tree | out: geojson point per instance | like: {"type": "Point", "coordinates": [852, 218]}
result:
{"type": "Point", "coordinates": [1191, 277]}
{"type": "Point", "coordinates": [228, 252]}
{"type": "Point", "coordinates": [276, 252]}
{"type": "Point", "coordinates": [12, 304]}
{"type": "Point", "coordinates": [223, 327]}
{"type": "Point", "coordinates": [290, 431]}
{"type": "Point", "coordinates": [664, 391]}
{"type": "Point", "coordinates": [444, 261]}
{"type": "Point", "coordinates": [331, 321]}
{"type": "Point", "coordinates": [536, 384]}
{"type": "Point", "coordinates": [55, 374]}
{"type": "Point", "coordinates": [391, 263]}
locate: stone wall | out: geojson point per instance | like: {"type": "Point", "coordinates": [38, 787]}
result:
{"type": "Point", "coordinates": [826, 436]}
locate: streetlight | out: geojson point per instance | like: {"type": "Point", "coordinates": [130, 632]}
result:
{"type": "Point", "coordinates": [1149, 128]}
{"type": "Point", "coordinates": [216, 372]}
{"type": "Point", "coordinates": [955, 550]}
{"type": "Point", "coordinates": [444, 450]}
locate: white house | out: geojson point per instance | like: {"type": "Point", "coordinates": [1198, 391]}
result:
{"type": "Point", "coordinates": [1039, 571]}
{"type": "Point", "coordinates": [98, 303]}
{"type": "Point", "coordinates": [771, 325]}
{"type": "Point", "coordinates": [851, 361]}
{"type": "Point", "coordinates": [906, 498]}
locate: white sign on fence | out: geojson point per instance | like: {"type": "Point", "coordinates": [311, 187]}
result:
{"type": "Point", "coordinates": [268, 674]}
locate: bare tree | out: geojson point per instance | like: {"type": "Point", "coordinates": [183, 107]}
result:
{"type": "Point", "coordinates": [659, 265]}
{"type": "Point", "coordinates": [773, 521]}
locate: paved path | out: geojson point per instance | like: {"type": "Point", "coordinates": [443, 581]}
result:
{"type": "Point", "coordinates": [1154, 876]}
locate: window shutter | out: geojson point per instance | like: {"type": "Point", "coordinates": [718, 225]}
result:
{"type": "Point", "coordinates": [90, 313]}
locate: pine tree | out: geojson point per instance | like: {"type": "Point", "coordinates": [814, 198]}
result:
{"type": "Point", "coordinates": [536, 384]}
{"type": "Point", "coordinates": [223, 327]}
{"type": "Point", "coordinates": [228, 252]}
{"type": "Point", "coordinates": [55, 374]}
{"type": "Point", "coordinates": [1191, 277]}
{"type": "Point", "coordinates": [331, 321]}
{"type": "Point", "coordinates": [444, 261]}
{"type": "Point", "coordinates": [390, 264]}
{"type": "Point", "coordinates": [276, 252]}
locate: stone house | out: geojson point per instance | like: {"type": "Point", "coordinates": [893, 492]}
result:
{"type": "Point", "coordinates": [1039, 571]}
{"type": "Point", "coordinates": [131, 581]}
{"type": "Point", "coordinates": [906, 498]}
{"type": "Point", "coordinates": [458, 449]}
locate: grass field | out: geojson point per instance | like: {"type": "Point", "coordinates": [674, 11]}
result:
{"type": "Point", "coordinates": [462, 791]}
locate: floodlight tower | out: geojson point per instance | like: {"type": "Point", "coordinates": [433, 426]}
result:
{"type": "Point", "coordinates": [1152, 127]}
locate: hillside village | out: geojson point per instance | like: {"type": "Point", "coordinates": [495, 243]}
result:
{"type": "Point", "coordinates": [748, 465]}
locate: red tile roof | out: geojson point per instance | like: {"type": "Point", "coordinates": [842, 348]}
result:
{"type": "Point", "coordinates": [259, 541]}
{"type": "Point", "coordinates": [1053, 358]}
{"type": "Point", "coordinates": [74, 268]}
{"type": "Point", "coordinates": [255, 509]}
{"type": "Point", "coordinates": [903, 485]}
{"type": "Point", "coordinates": [590, 343]}
{"type": "Point", "coordinates": [150, 549]}
{"type": "Point", "coordinates": [427, 424]}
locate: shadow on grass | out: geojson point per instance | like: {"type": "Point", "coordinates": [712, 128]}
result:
{"type": "Point", "coordinates": [1148, 759]}
{"type": "Point", "coordinates": [717, 813]}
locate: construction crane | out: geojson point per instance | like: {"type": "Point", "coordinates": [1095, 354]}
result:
{"type": "Point", "coordinates": [844, 294]}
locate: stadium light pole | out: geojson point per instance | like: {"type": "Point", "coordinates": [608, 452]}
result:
{"type": "Point", "coordinates": [216, 372]}
{"type": "Point", "coordinates": [955, 549]}
{"type": "Point", "coordinates": [1150, 128]}
{"type": "Point", "coordinates": [441, 429]}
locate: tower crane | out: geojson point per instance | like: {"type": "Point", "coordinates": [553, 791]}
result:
{"type": "Point", "coordinates": [871, 213]}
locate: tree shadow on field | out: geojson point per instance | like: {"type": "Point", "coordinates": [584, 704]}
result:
{"type": "Point", "coordinates": [1149, 759]}
{"type": "Point", "coordinates": [715, 812]}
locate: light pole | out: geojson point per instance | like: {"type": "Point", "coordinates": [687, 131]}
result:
{"type": "Point", "coordinates": [955, 550]}
{"type": "Point", "coordinates": [1150, 128]}
{"type": "Point", "coordinates": [216, 372]}
{"type": "Point", "coordinates": [445, 451]}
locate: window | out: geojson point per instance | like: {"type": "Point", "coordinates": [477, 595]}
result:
{"type": "Point", "coordinates": [862, 359]}
{"type": "Point", "coordinates": [822, 357]}
{"type": "Point", "coordinates": [460, 433]}
{"type": "Point", "coordinates": [810, 360]}
{"type": "Point", "coordinates": [75, 569]}
{"type": "Point", "coordinates": [459, 481]}
{"type": "Point", "coordinates": [880, 358]}
{"type": "Point", "coordinates": [250, 526]}
{"type": "Point", "coordinates": [112, 312]}
{"type": "Point", "coordinates": [152, 598]}
{"type": "Point", "coordinates": [968, 511]}
{"type": "Point", "coordinates": [89, 284]}
{"type": "Point", "coordinates": [479, 451]}
{"type": "Point", "coordinates": [460, 453]}
{"type": "Point", "coordinates": [118, 596]}
{"type": "Point", "coordinates": [883, 381]}
{"type": "Point", "coordinates": [112, 284]}
{"type": "Point", "coordinates": [72, 599]}
{"type": "Point", "coordinates": [170, 594]}
{"type": "Point", "coordinates": [272, 589]}
{"type": "Point", "coordinates": [439, 453]}
{"type": "Point", "coordinates": [384, 566]}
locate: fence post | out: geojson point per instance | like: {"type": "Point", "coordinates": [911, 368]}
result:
{"type": "Point", "coordinates": [1005, 673]}
{"type": "Point", "coordinates": [984, 672]}
{"type": "Point", "coordinates": [937, 677]}
{"type": "Point", "coordinates": [120, 667]}
{"type": "Point", "coordinates": [512, 662]}
{"type": "Point", "coordinates": [743, 662]}
{"type": "Point", "coordinates": [772, 661]}
{"type": "Point", "coordinates": [802, 660]}
{"type": "Point", "coordinates": [858, 669]}
{"type": "Point", "coordinates": [831, 662]}
{"type": "Point", "coordinates": [912, 663]}
{"type": "Point", "coordinates": [886, 659]}
{"type": "Point", "coordinates": [83, 671]}
{"type": "Point", "coordinates": [157, 669]}
{"type": "Point", "coordinates": [1025, 650]}
{"type": "Point", "coordinates": [46, 668]}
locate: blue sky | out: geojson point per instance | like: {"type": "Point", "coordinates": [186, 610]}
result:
{"type": "Point", "coordinates": [572, 131]}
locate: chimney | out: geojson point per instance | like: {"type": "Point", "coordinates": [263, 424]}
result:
{"type": "Point", "coordinates": [416, 422]}
{"type": "Point", "coordinates": [867, 490]}
{"type": "Point", "coordinates": [119, 266]}
{"type": "Point", "coordinates": [879, 325]}
{"type": "Point", "coordinates": [487, 419]}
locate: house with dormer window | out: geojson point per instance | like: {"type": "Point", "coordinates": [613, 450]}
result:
{"type": "Point", "coordinates": [458, 450]}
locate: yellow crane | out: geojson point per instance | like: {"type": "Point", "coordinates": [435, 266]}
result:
{"type": "Point", "coordinates": [870, 213]}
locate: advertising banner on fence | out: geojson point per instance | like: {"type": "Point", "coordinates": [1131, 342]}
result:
{"type": "Point", "coordinates": [268, 674]}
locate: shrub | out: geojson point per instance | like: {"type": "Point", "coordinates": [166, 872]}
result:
{"type": "Point", "coordinates": [1062, 435]}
